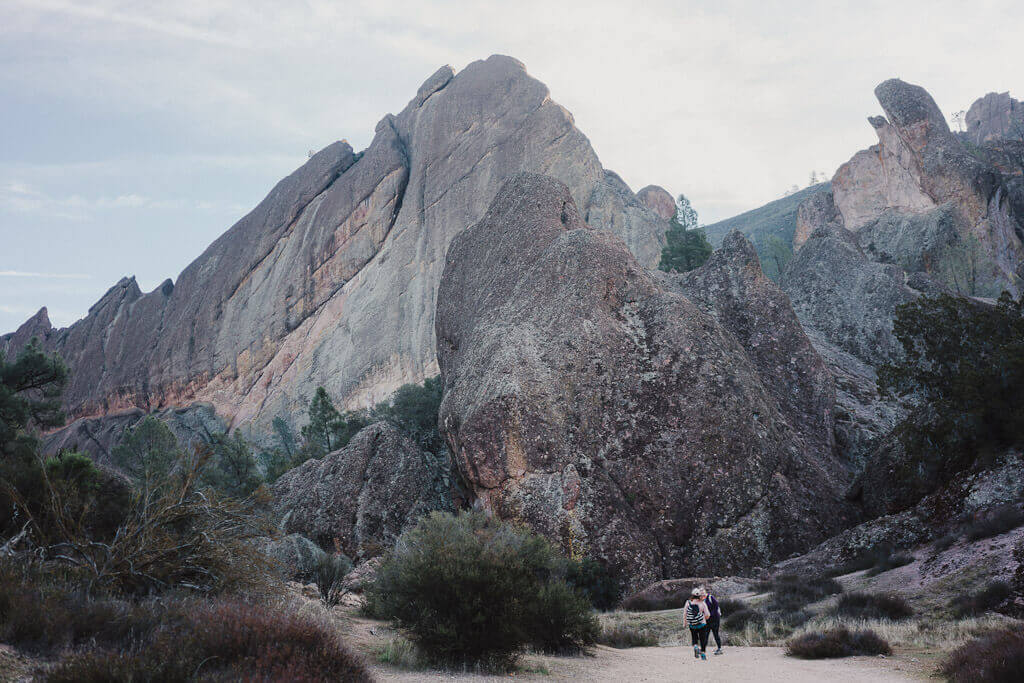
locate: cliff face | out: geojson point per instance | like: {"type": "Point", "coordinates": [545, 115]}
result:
{"type": "Point", "coordinates": [331, 279]}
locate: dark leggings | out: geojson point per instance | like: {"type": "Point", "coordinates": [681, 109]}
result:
{"type": "Point", "coordinates": [701, 635]}
{"type": "Point", "coordinates": [713, 624]}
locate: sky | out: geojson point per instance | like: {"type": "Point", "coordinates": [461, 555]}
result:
{"type": "Point", "coordinates": [132, 134]}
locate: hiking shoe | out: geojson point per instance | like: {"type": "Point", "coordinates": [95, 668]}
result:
{"type": "Point", "coordinates": [703, 656]}
{"type": "Point", "coordinates": [696, 652]}
{"type": "Point", "coordinates": [719, 651]}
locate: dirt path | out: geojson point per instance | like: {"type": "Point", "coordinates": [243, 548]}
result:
{"type": "Point", "coordinates": [656, 664]}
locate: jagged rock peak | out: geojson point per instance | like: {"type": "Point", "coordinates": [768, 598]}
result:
{"type": "Point", "coordinates": [586, 396]}
{"type": "Point", "coordinates": [996, 116]}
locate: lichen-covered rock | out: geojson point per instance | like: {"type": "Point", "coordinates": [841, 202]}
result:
{"type": "Point", "coordinates": [360, 498]}
{"type": "Point", "coordinates": [587, 398]}
{"type": "Point", "coordinates": [331, 279]}
{"type": "Point", "coordinates": [842, 294]}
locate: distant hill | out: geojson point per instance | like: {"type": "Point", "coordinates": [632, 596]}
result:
{"type": "Point", "coordinates": [777, 218]}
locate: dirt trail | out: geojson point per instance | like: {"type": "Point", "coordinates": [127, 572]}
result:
{"type": "Point", "coordinates": [675, 664]}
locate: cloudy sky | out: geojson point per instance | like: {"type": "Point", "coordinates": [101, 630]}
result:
{"type": "Point", "coordinates": [134, 133]}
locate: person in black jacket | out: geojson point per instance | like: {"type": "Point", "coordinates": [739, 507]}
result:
{"type": "Point", "coordinates": [716, 618]}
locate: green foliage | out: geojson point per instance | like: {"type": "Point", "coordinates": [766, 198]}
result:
{"type": "Point", "coordinates": [687, 246]}
{"type": "Point", "coordinates": [328, 574]}
{"type": "Point", "coordinates": [30, 389]}
{"type": "Point", "coordinates": [148, 451]}
{"type": "Point", "coordinates": [413, 409]}
{"type": "Point", "coordinates": [775, 256]}
{"type": "Point", "coordinates": [990, 596]}
{"type": "Point", "coordinates": [329, 430]}
{"type": "Point", "coordinates": [285, 436]}
{"type": "Point", "coordinates": [470, 589]}
{"type": "Point", "coordinates": [963, 365]}
{"type": "Point", "coordinates": [596, 582]}
{"type": "Point", "coordinates": [232, 468]}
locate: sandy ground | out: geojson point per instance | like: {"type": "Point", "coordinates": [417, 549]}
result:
{"type": "Point", "coordinates": [678, 664]}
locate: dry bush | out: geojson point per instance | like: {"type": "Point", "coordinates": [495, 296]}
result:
{"type": "Point", "coordinates": [988, 598]}
{"type": "Point", "coordinates": [840, 642]}
{"type": "Point", "coordinates": [220, 641]}
{"type": "Point", "coordinates": [996, 657]}
{"type": "Point", "coordinates": [874, 606]}
{"type": "Point", "coordinates": [998, 520]}
{"type": "Point", "coordinates": [176, 534]}
{"type": "Point", "coordinates": [622, 636]}
{"type": "Point", "coordinates": [329, 576]}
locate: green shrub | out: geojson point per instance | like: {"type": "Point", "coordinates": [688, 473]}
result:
{"type": "Point", "coordinates": [791, 593]}
{"type": "Point", "coordinates": [839, 642]}
{"type": "Point", "coordinates": [472, 590]}
{"type": "Point", "coordinates": [887, 560]}
{"type": "Point", "coordinates": [945, 542]}
{"type": "Point", "coordinates": [874, 606]}
{"type": "Point", "coordinates": [730, 605]}
{"type": "Point", "coordinates": [993, 658]}
{"type": "Point", "coordinates": [596, 582]}
{"type": "Point", "coordinates": [988, 598]}
{"type": "Point", "coordinates": [329, 576]}
{"type": "Point", "coordinates": [995, 521]}
{"type": "Point", "coordinates": [623, 636]}
{"type": "Point", "coordinates": [399, 652]}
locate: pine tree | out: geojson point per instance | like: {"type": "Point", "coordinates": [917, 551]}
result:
{"type": "Point", "coordinates": [324, 422]}
{"type": "Point", "coordinates": [687, 246]}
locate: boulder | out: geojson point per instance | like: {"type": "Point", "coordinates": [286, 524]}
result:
{"type": "Point", "coordinates": [358, 499]}
{"type": "Point", "coordinates": [658, 200]}
{"type": "Point", "coordinates": [590, 399]}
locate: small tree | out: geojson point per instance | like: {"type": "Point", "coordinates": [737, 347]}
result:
{"type": "Point", "coordinates": [324, 421]}
{"type": "Point", "coordinates": [687, 246]}
{"type": "Point", "coordinates": [232, 468]}
{"type": "Point", "coordinates": [413, 409]}
{"type": "Point", "coordinates": [285, 436]}
{"type": "Point", "coordinates": [147, 452]}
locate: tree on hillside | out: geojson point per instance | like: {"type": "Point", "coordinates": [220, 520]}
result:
{"type": "Point", "coordinates": [147, 452]}
{"type": "Point", "coordinates": [329, 430]}
{"type": "Point", "coordinates": [413, 409]}
{"type": "Point", "coordinates": [30, 389]}
{"type": "Point", "coordinates": [687, 246]}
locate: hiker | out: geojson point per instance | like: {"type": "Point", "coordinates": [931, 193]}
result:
{"type": "Point", "coordinates": [697, 615]}
{"type": "Point", "coordinates": [715, 620]}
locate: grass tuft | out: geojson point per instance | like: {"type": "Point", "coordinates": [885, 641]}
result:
{"type": "Point", "coordinates": [839, 642]}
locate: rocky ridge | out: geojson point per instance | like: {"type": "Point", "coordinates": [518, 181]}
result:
{"type": "Point", "coordinates": [331, 279]}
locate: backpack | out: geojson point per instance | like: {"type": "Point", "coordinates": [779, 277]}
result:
{"type": "Point", "coordinates": [694, 616]}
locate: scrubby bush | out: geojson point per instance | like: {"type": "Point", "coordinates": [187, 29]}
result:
{"type": "Point", "coordinates": [623, 636]}
{"type": "Point", "coordinates": [838, 642]}
{"type": "Point", "coordinates": [738, 620]}
{"type": "Point", "coordinates": [791, 593]}
{"type": "Point", "coordinates": [988, 598]}
{"type": "Point", "coordinates": [993, 658]}
{"type": "Point", "coordinates": [887, 560]}
{"type": "Point", "coordinates": [644, 602]}
{"type": "Point", "coordinates": [995, 521]}
{"type": "Point", "coordinates": [219, 641]}
{"type": "Point", "coordinates": [329, 576]}
{"type": "Point", "coordinates": [730, 605]}
{"type": "Point", "coordinates": [874, 606]}
{"type": "Point", "coordinates": [601, 586]}
{"type": "Point", "coordinates": [472, 590]}
{"type": "Point", "coordinates": [399, 652]}
{"type": "Point", "coordinates": [945, 542]}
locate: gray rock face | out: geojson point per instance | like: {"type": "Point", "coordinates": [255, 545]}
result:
{"type": "Point", "coordinates": [658, 200]}
{"type": "Point", "coordinates": [361, 497]}
{"type": "Point", "coordinates": [817, 210]}
{"type": "Point", "coordinates": [996, 116]}
{"type": "Point", "coordinates": [99, 436]}
{"type": "Point", "coordinates": [846, 297]}
{"type": "Point", "coordinates": [331, 279]}
{"type": "Point", "coordinates": [588, 398]}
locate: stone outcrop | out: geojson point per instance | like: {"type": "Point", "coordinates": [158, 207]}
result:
{"type": "Point", "coordinates": [99, 436]}
{"type": "Point", "coordinates": [658, 200]}
{"type": "Point", "coordinates": [331, 279]}
{"type": "Point", "coordinates": [817, 210]}
{"type": "Point", "coordinates": [359, 499]}
{"type": "Point", "coordinates": [996, 116]}
{"type": "Point", "coordinates": [592, 400]}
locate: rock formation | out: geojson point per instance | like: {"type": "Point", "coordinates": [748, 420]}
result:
{"type": "Point", "coordinates": [996, 116]}
{"type": "Point", "coordinates": [361, 497]}
{"type": "Point", "coordinates": [331, 279]}
{"type": "Point", "coordinates": [590, 399]}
